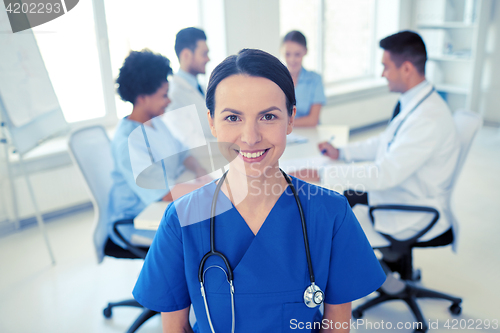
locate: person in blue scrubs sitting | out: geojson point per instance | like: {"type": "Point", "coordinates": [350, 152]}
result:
{"type": "Point", "coordinates": [257, 225]}
{"type": "Point", "coordinates": [143, 82]}
{"type": "Point", "coordinates": [309, 89]}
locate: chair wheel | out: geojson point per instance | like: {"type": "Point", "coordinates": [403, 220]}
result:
{"type": "Point", "coordinates": [107, 312]}
{"type": "Point", "coordinates": [356, 314]}
{"type": "Point", "coordinates": [455, 309]}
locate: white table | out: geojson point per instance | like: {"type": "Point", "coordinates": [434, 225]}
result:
{"type": "Point", "coordinates": [303, 154]}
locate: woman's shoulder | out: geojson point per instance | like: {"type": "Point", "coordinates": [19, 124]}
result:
{"type": "Point", "coordinates": [323, 207]}
{"type": "Point", "coordinates": [193, 207]}
{"type": "Point", "coordinates": [123, 130]}
{"type": "Point", "coordinates": [318, 195]}
{"type": "Point", "coordinates": [311, 75]}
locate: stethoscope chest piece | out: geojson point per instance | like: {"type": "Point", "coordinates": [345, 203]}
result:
{"type": "Point", "coordinates": [313, 296]}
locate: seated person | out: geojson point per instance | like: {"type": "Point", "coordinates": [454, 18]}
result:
{"type": "Point", "coordinates": [143, 82]}
{"type": "Point", "coordinates": [308, 85]}
{"type": "Point", "coordinates": [411, 162]}
{"type": "Point", "coordinates": [257, 225]}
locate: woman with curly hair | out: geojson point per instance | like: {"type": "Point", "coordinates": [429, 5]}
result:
{"type": "Point", "coordinates": [143, 82]}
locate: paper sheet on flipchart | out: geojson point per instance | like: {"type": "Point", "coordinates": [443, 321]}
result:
{"type": "Point", "coordinates": [25, 88]}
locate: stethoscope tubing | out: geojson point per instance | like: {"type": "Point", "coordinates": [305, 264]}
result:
{"type": "Point", "coordinates": [407, 115]}
{"type": "Point", "coordinates": [304, 228]}
{"type": "Point", "coordinates": [310, 293]}
{"type": "Point", "coordinates": [212, 251]}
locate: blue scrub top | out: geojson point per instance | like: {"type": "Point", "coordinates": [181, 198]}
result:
{"type": "Point", "coordinates": [308, 91]}
{"type": "Point", "coordinates": [270, 268]}
{"type": "Point", "coordinates": [126, 198]}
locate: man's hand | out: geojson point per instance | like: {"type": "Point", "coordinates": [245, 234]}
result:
{"type": "Point", "coordinates": [328, 150]}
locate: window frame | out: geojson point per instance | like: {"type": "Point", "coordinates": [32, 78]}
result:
{"type": "Point", "coordinates": [321, 38]}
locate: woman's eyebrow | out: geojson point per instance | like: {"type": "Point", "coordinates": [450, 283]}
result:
{"type": "Point", "coordinates": [272, 108]}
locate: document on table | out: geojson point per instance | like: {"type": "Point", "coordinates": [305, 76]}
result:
{"type": "Point", "coordinates": [295, 139]}
{"type": "Point", "coordinates": [305, 163]}
{"type": "Point", "coordinates": [150, 217]}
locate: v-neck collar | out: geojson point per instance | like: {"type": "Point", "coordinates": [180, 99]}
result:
{"type": "Point", "coordinates": [245, 251]}
{"type": "Point", "coordinates": [278, 202]}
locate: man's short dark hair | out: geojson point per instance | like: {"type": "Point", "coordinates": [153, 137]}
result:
{"type": "Point", "coordinates": [406, 46]}
{"type": "Point", "coordinates": [188, 38]}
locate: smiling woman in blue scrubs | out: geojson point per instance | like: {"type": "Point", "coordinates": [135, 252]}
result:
{"type": "Point", "coordinates": [251, 103]}
{"type": "Point", "coordinates": [309, 90]}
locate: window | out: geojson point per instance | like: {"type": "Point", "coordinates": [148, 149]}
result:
{"type": "Point", "coordinates": [340, 35]}
{"type": "Point", "coordinates": [68, 48]}
{"type": "Point", "coordinates": [135, 25]}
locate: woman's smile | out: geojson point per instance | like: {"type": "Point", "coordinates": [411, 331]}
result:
{"type": "Point", "coordinates": [253, 156]}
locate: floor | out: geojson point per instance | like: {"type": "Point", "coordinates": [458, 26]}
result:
{"type": "Point", "coordinates": [69, 296]}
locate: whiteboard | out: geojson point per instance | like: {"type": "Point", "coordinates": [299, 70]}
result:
{"type": "Point", "coordinates": [28, 101]}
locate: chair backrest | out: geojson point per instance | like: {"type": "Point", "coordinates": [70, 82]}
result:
{"type": "Point", "coordinates": [90, 149]}
{"type": "Point", "coordinates": [467, 124]}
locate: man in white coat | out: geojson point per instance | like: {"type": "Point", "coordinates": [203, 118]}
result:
{"type": "Point", "coordinates": [411, 162]}
{"type": "Point", "coordinates": [186, 116]}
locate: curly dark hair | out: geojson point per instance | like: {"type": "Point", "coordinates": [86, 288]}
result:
{"type": "Point", "coordinates": [142, 73]}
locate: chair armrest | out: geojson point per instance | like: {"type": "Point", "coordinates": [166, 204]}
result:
{"type": "Point", "coordinates": [132, 248]}
{"type": "Point", "coordinates": [407, 208]}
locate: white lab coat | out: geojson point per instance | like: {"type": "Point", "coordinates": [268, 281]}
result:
{"type": "Point", "coordinates": [416, 169]}
{"type": "Point", "coordinates": [186, 126]}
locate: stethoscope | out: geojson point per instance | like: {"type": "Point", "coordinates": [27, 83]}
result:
{"type": "Point", "coordinates": [313, 296]}
{"type": "Point", "coordinates": [407, 115]}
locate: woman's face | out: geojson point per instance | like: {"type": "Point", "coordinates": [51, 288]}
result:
{"type": "Point", "coordinates": [294, 52]}
{"type": "Point", "coordinates": [158, 101]}
{"type": "Point", "coordinates": [251, 116]}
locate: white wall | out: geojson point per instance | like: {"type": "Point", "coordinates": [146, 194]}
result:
{"type": "Point", "coordinates": [361, 112]}
{"type": "Point", "coordinates": [54, 189]}
{"type": "Point", "coordinates": [252, 24]}
{"type": "Point", "coordinates": [490, 99]}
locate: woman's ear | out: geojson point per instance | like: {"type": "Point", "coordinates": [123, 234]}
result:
{"type": "Point", "coordinates": [186, 57]}
{"type": "Point", "coordinates": [291, 121]}
{"type": "Point", "coordinates": [211, 124]}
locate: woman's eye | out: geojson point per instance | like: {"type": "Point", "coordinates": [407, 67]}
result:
{"type": "Point", "coordinates": [269, 117]}
{"type": "Point", "coordinates": [232, 118]}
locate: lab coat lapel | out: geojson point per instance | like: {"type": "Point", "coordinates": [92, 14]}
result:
{"type": "Point", "coordinates": [185, 85]}
{"type": "Point", "coordinates": [396, 122]}
{"type": "Point", "coordinates": [413, 102]}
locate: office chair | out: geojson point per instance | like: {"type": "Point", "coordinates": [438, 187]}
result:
{"type": "Point", "coordinates": [90, 149]}
{"type": "Point", "coordinates": [399, 252]}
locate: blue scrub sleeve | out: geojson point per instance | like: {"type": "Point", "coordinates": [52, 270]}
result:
{"type": "Point", "coordinates": [123, 165]}
{"type": "Point", "coordinates": [354, 269]}
{"type": "Point", "coordinates": [319, 91]}
{"type": "Point", "coordinates": [162, 284]}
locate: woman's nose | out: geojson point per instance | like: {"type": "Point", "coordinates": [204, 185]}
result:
{"type": "Point", "coordinates": [250, 134]}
